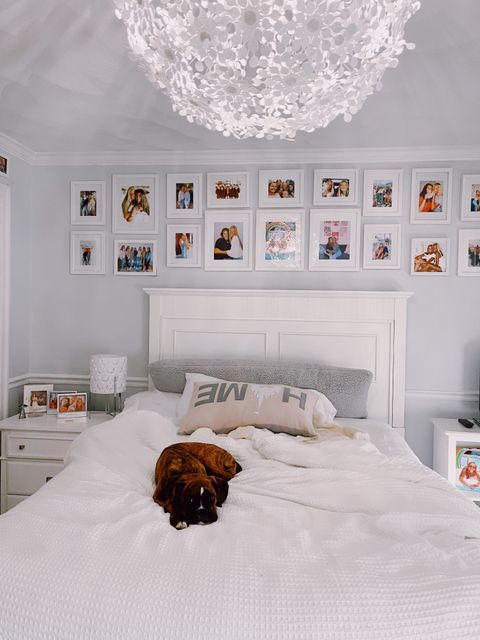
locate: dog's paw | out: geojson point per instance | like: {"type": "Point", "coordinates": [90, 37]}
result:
{"type": "Point", "coordinates": [181, 525]}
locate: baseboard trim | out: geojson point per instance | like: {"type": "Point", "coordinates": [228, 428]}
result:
{"type": "Point", "coordinates": [59, 378]}
{"type": "Point", "coordinates": [451, 396]}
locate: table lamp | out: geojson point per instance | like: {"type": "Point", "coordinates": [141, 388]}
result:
{"type": "Point", "coordinates": [108, 376]}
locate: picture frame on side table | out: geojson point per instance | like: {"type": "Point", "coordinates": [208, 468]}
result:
{"type": "Point", "coordinates": [52, 401]}
{"type": "Point", "coordinates": [135, 204]}
{"type": "Point", "coordinates": [335, 187]}
{"type": "Point", "coordinates": [228, 190]}
{"type": "Point", "coordinates": [470, 211]}
{"type": "Point", "coordinates": [135, 257]}
{"type": "Point", "coordinates": [184, 195]}
{"type": "Point", "coordinates": [431, 196]}
{"type": "Point", "coordinates": [469, 252]}
{"type": "Point", "coordinates": [280, 240]}
{"type": "Point", "coordinates": [35, 398]}
{"type": "Point", "coordinates": [87, 252]}
{"type": "Point", "coordinates": [430, 256]}
{"type": "Point", "coordinates": [280, 188]}
{"type": "Point", "coordinates": [382, 246]}
{"type": "Point", "coordinates": [382, 192]}
{"type": "Point", "coordinates": [71, 405]}
{"type": "Point", "coordinates": [334, 240]}
{"type": "Point", "coordinates": [228, 241]}
{"type": "Point", "coordinates": [184, 245]}
{"type": "Point", "coordinates": [88, 202]}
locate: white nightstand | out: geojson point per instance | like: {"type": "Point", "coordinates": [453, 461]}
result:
{"type": "Point", "coordinates": [448, 434]}
{"type": "Point", "coordinates": [33, 451]}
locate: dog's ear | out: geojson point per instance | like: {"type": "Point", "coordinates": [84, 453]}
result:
{"type": "Point", "coordinates": [221, 489]}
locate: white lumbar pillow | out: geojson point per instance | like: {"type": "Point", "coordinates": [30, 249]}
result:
{"type": "Point", "coordinates": [323, 410]}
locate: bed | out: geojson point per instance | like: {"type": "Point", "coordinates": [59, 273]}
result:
{"type": "Point", "coordinates": [329, 538]}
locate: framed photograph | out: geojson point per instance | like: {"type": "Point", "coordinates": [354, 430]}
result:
{"type": "Point", "coordinates": [431, 189]}
{"type": "Point", "coordinates": [381, 246]}
{"type": "Point", "coordinates": [35, 397]}
{"type": "Point", "coordinates": [71, 405]}
{"type": "Point", "coordinates": [382, 192]}
{"type": "Point", "coordinates": [184, 245]}
{"type": "Point", "coordinates": [52, 400]}
{"type": "Point", "coordinates": [280, 240]}
{"type": "Point", "coordinates": [469, 252]}
{"type": "Point", "coordinates": [87, 203]}
{"type": "Point", "coordinates": [87, 252]}
{"type": "Point", "coordinates": [470, 199]}
{"type": "Point", "coordinates": [3, 166]}
{"type": "Point", "coordinates": [430, 256]}
{"type": "Point", "coordinates": [228, 241]}
{"type": "Point", "coordinates": [184, 195]}
{"type": "Point", "coordinates": [335, 187]}
{"type": "Point", "coordinates": [135, 257]}
{"type": "Point", "coordinates": [279, 188]}
{"type": "Point", "coordinates": [228, 190]}
{"type": "Point", "coordinates": [134, 204]}
{"type": "Point", "coordinates": [334, 240]}
{"type": "Point", "coordinates": [467, 470]}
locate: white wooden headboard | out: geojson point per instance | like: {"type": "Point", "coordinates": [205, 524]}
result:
{"type": "Point", "coordinates": [361, 329]}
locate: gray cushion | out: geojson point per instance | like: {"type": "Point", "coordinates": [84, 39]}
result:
{"type": "Point", "coordinates": [347, 389]}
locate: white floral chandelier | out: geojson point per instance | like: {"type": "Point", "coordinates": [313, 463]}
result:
{"type": "Point", "coordinates": [264, 68]}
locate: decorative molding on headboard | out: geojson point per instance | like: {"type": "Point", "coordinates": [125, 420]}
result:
{"type": "Point", "coordinates": [360, 329]}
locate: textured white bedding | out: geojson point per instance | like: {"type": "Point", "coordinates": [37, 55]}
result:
{"type": "Point", "coordinates": [322, 539]}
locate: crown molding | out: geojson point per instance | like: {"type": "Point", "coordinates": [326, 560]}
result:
{"type": "Point", "coordinates": [9, 146]}
{"type": "Point", "coordinates": [231, 157]}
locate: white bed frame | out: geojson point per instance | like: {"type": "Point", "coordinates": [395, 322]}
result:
{"type": "Point", "coordinates": [361, 329]}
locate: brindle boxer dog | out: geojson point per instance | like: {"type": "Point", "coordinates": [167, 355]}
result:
{"type": "Point", "coordinates": [192, 481]}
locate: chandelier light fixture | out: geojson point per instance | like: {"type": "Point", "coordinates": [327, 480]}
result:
{"type": "Point", "coordinates": [266, 68]}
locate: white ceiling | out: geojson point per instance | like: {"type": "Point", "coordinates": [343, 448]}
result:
{"type": "Point", "coordinates": [67, 84]}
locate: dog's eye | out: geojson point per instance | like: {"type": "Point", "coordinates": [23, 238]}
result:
{"type": "Point", "coordinates": [190, 499]}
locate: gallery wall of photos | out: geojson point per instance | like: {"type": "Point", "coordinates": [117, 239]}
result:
{"type": "Point", "coordinates": [280, 234]}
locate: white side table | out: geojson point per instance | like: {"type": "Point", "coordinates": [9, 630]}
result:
{"type": "Point", "coordinates": [33, 451]}
{"type": "Point", "coordinates": [448, 434]}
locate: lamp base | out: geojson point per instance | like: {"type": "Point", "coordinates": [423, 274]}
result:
{"type": "Point", "coordinates": [117, 405]}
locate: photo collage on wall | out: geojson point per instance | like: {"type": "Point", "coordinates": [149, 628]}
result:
{"type": "Point", "coordinates": [217, 230]}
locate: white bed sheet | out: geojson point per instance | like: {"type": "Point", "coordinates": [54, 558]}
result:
{"type": "Point", "coordinates": [320, 539]}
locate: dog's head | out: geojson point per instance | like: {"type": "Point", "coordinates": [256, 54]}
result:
{"type": "Point", "coordinates": [196, 498]}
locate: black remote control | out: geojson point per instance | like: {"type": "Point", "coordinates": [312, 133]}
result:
{"type": "Point", "coordinates": [466, 423]}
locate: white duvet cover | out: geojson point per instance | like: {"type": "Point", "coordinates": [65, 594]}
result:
{"type": "Point", "coordinates": [324, 539]}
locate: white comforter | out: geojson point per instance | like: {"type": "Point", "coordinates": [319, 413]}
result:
{"type": "Point", "coordinates": [327, 539]}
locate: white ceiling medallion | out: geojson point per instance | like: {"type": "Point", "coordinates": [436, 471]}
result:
{"type": "Point", "coordinates": [265, 68]}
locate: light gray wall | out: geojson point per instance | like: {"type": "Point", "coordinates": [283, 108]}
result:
{"type": "Point", "coordinates": [74, 316]}
{"type": "Point", "coordinates": [20, 181]}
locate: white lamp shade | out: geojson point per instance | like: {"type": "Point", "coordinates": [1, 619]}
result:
{"type": "Point", "coordinates": [108, 373]}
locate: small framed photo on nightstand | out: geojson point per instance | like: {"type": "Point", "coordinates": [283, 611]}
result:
{"type": "Point", "coordinates": [35, 398]}
{"type": "Point", "coordinates": [71, 405]}
{"type": "Point", "coordinates": [52, 401]}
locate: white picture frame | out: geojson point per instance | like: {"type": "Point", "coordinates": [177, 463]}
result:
{"type": "Point", "coordinates": [4, 162]}
{"type": "Point", "coordinates": [35, 397]}
{"type": "Point", "coordinates": [382, 193]}
{"type": "Point", "coordinates": [344, 226]}
{"type": "Point", "coordinates": [276, 228]}
{"type": "Point", "coordinates": [431, 263]}
{"type": "Point", "coordinates": [328, 187]}
{"type": "Point", "coordinates": [87, 253]}
{"type": "Point", "coordinates": [468, 240]}
{"type": "Point", "coordinates": [424, 195]}
{"type": "Point", "coordinates": [133, 265]}
{"type": "Point", "coordinates": [88, 202]}
{"type": "Point", "coordinates": [215, 222]}
{"type": "Point", "coordinates": [184, 251]}
{"type": "Point", "coordinates": [135, 197]}
{"type": "Point", "coordinates": [470, 206]}
{"type": "Point", "coordinates": [228, 190]}
{"type": "Point", "coordinates": [53, 410]}
{"type": "Point", "coordinates": [72, 404]}
{"type": "Point", "coordinates": [286, 181]}
{"type": "Point", "coordinates": [191, 204]}
{"type": "Point", "coordinates": [382, 246]}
